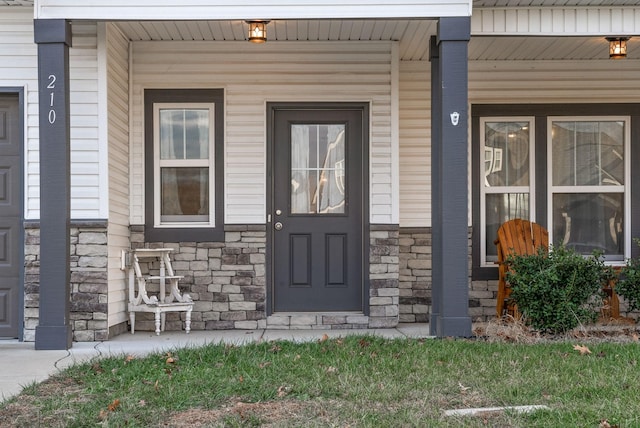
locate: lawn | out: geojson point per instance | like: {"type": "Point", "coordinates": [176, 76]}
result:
{"type": "Point", "coordinates": [357, 381]}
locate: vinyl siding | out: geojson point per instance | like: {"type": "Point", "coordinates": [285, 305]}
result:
{"type": "Point", "coordinates": [251, 76]}
{"type": "Point", "coordinates": [19, 68]}
{"type": "Point", "coordinates": [87, 158]}
{"type": "Point", "coordinates": [415, 143]}
{"type": "Point", "coordinates": [117, 73]}
{"type": "Point", "coordinates": [498, 82]}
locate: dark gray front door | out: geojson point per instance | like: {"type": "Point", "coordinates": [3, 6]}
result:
{"type": "Point", "coordinates": [10, 214]}
{"type": "Point", "coordinates": [317, 208]}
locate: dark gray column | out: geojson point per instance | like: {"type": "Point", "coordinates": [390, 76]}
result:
{"type": "Point", "coordinates": [436, 211]}
{"type": "Point", "coordinates": [449, 159]}
{"type": "Point", "coordinates": [54, 38]}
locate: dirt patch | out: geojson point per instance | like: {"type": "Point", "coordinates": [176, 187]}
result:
{"type": "Point", "coordinates": [24, 411]}
{"type": "Point", "coordinates": [264, 414]}
{"type": "Point", "coordinates": [618, 330]}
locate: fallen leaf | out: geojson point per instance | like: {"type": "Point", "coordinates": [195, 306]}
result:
{"type": "Point", "coordinates": [582, 349]}
{"type": "Point", "coordinates": [276, 348]}
{"type": "Point", "coordinates": [463, 389]}
{"type": "Point", "coordinates": [129, 359]}
{"type": "Point", "coordinates": [170, 360]}
{"type": "Point", "coordinates": [97, 368]}
{"type": "Point", "coordinates": [363, 343]}
{"type": "Point", "coordinates": [332, 369]}
{"type": "Point", "coordinates": [324, 338]}
{"type": "Point", "coordinates": [241, 379]}
{"type": "Point", "coordinates": [103, 414]}
{"type": "Point", "coordinates": [156, 386]}
{"type": "Point", "coordinates": [297, 357]}
{"type": "Point", "coordinates": [114, 405]}
{"type": "Point", "coordinates": [635, 337]}
{"type": "Point", "coordinates": [282, 391]}
{"type": "Point", "coordinates": [142, 403]}
{"type": "Point", "coordinates": [265, 364]}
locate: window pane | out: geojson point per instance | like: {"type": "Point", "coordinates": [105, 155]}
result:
{"type": "Point", "coordinates": [506, 153]}
{"type": "Point", "coordinates": [500, 208]}
{"type": "Point", "coordinates": [588, 153]}
{"type": "Point", "coordinates": [184, 134]}
{"type": "Point", "coordinates": [185, 194]}
{"type": "Point", "coordinates": [318, 169]}
{"type": "Point", "coordinates": [590, 221]}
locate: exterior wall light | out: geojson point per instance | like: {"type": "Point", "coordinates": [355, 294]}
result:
{"type": "Point", "coordinates": [257, 31]}
{"type": "Point", "coordinates": [617, 47]}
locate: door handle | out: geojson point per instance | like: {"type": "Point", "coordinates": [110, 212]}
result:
{"type": "Point", "coordinates": [277, 226]}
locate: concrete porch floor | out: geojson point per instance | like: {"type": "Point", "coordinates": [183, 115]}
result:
{"type": "Point", "coordinates": [22, 365]}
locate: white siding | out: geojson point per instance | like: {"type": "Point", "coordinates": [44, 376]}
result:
{"type": "Point", "coordinates": [87, 148]}
{"type": "Point", "coordinates": [415, 143]}
{"type": "Point", "coordinates": [251, 76]}
{"type": "Point", "coordinates": [116, 50]}
{"type": "Point", "coordinates": [19, 68]}
{"type": "Point", "coordinates": [496, 82]}
{"type": "Point", "coordinates": [554, 81]}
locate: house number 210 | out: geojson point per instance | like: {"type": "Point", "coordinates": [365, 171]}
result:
{"type": "Point", "coordinates": [52, 110]}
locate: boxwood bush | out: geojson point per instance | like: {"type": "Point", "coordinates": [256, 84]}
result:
{"type": "Point", "coordinates": [557, 291]}
{"type": "Point", "coordinates": [628, 286]}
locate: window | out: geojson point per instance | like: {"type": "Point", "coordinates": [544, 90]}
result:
{"type": "Point", "coordinates": [587, 177]}
{"type": "Point", "coordinates": [506, 176]}
{"type": "Point", "coordinates": [564, 166]}
{"type": "Point", "coordinates": [183, 168]}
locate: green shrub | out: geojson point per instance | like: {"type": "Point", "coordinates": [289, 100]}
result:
{"type": "Point", "coordinates": [557, 291]}
{"type": "Point", "coordinates": [628, 286]}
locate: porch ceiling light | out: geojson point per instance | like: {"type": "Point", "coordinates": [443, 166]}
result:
{"type": "Point", "coordinates": [257, 31]}
{"type": "Point", "coordinates": [617, 47]}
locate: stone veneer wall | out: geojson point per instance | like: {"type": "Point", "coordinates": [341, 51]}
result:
{"type": "Point", "coordinates": [88, 263]}
{"type": "Point", "coordinates": [225, 279]}
{"type": "Point", "coordinates": [415, 280]}
{"type": "Point", "coordinates": [415, 274]}
{"type": "Point", "coordinates": [228, 285]}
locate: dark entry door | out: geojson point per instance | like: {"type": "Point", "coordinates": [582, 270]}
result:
{"type": "Point", "coordinates": [317, 208]}
{"type": "Point", "coordinates": [10, 214]}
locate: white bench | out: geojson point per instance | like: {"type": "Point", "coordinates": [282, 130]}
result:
{"type": "Point", "coordinates": [140, 299]}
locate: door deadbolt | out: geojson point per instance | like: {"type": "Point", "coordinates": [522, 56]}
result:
{"type": "Point", "coordinates": [277, 226]}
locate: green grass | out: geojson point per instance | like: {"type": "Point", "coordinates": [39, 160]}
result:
{"type": "Point", "coordinates": [355, 381]}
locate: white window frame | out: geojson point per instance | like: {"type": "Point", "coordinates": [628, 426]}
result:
{"type": "Point", "coordinates": [626, 187]}
{"type": "Point", "coordinates": [158, 164]}
{"type": "Point", "coordinates": [486, 190]}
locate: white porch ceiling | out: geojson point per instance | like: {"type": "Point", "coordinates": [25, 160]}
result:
{"type": "Point", "coordinates": [559, 3]}
{"type": "Point", "coordinates": [413, 37]}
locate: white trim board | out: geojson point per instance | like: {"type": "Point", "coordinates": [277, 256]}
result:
{"type": "Point", "coordinates": [244, 9]}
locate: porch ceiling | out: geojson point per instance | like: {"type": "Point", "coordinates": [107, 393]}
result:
{"type": "Point", "coordinates": [413, 36]}
{"type": "Point", "coordinates": [559, 3]}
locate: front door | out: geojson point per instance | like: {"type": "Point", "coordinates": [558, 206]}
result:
{"type": "Point", "coordinates": [10, 215]}
{"type": "Point", "coordinates": [317, 207]}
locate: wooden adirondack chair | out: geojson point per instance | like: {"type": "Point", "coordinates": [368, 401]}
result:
{"type": "Point", "coordinates": [519, 237]}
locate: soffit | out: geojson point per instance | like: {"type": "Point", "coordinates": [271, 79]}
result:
{"type": "Point", "coordinates": [552, 3]}
{"type": "Point", "coordinates": [412, 36]}
{"type": "Point", "coordinates": [16, 2]}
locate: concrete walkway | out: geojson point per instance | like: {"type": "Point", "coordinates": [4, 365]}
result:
{"type": "Point", "coordinates": [22, 365]}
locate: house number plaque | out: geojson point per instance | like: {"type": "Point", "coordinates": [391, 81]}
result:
{"type": "Point", "coordinates": [52, 110]}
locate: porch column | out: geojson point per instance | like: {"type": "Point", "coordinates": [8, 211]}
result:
{"type": "Point", "coordinates": [449, 176]}
{"type": "Point", "coordinates": [54, 38]}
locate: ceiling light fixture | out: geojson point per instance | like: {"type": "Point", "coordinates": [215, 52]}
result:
{"type": "Point", "coordinates": [257, 31]}
{"type": "Point", "coordinates": [617, 47]}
